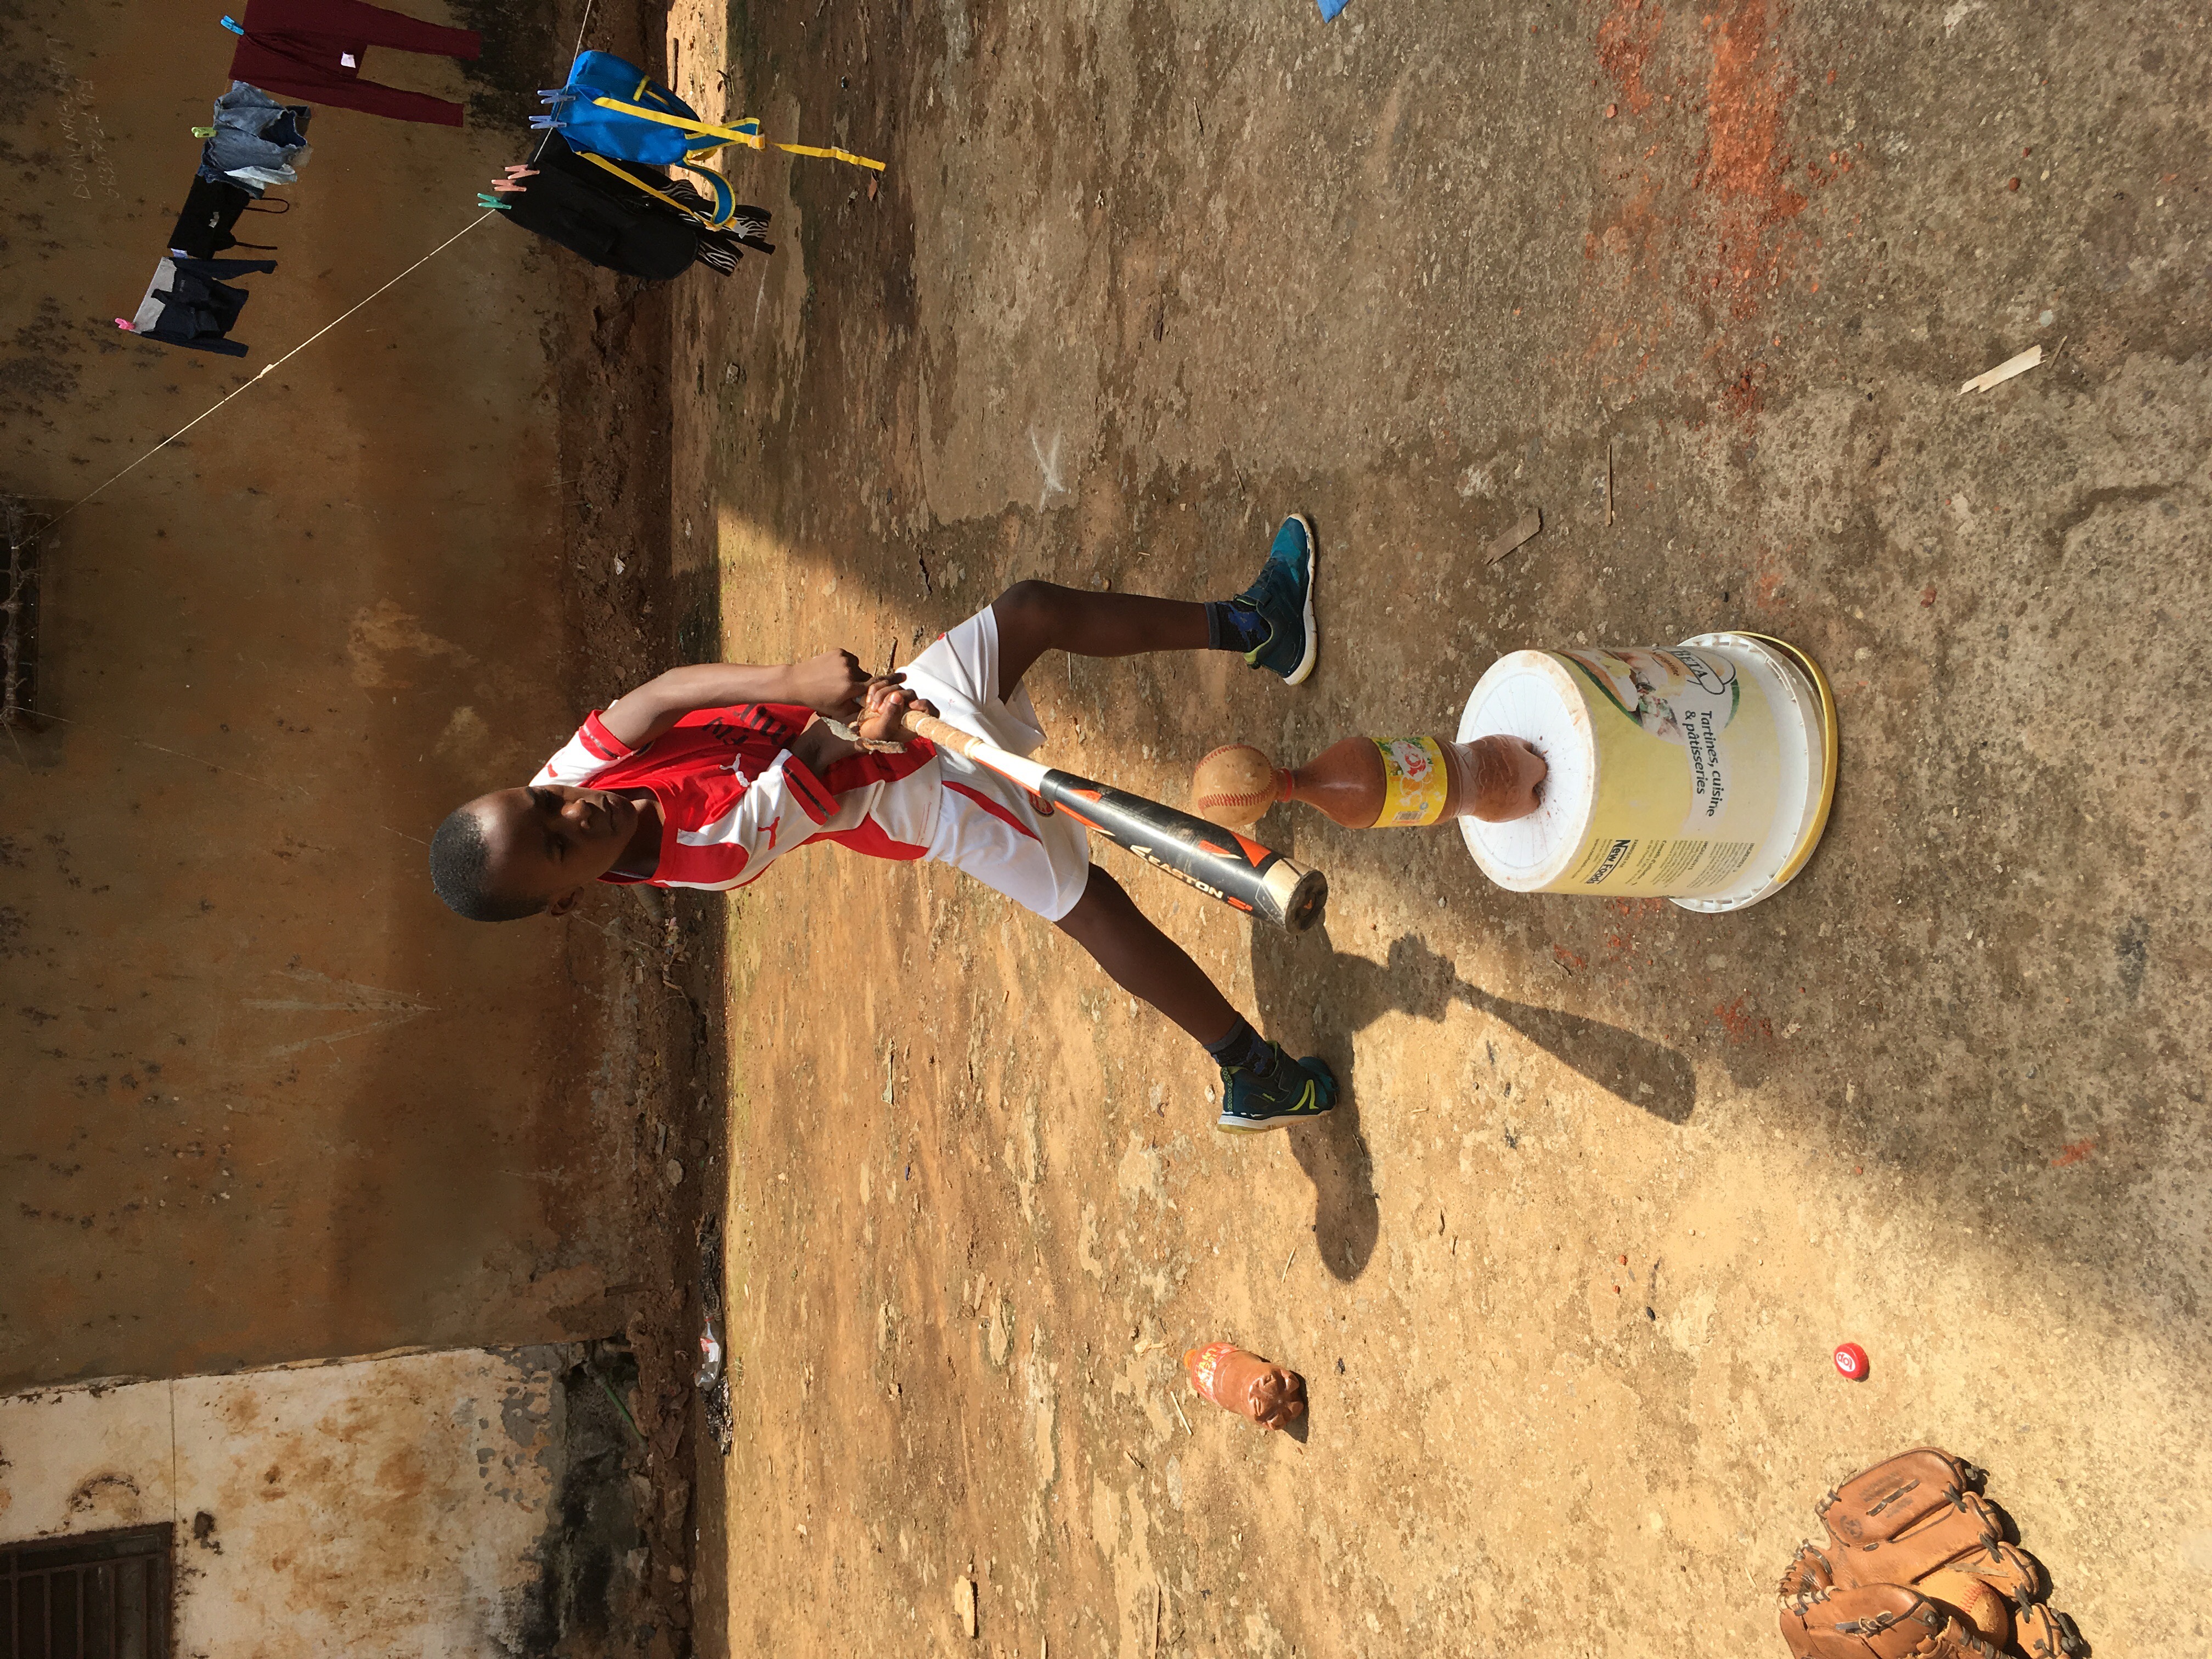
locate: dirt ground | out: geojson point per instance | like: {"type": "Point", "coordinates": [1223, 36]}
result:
{"type": "Point", "coordinates": [1610, 1181]}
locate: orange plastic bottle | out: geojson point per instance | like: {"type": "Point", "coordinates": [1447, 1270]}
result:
{"type": "Point", "coordinates": [1367, 783]}
{"type": "Point", "coordinates": [1372, 783]}
{"type": "Point", "coordinates": [1266, 1393]}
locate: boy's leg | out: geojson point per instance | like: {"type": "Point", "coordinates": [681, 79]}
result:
{"type": "Point", "coordinates": [1035, 618]}
{"type": "Point", "coordinates": [1271, 623]}
{"type": "Point", "coordinates": [1262, 1088]}
{"type": "Point", "coordinates": [1145, 962]}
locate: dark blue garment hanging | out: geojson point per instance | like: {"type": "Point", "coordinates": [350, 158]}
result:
{"type": "Point", "coordinates": [186, 305]}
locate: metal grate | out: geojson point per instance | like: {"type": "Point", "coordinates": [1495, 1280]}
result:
{"type": "Point", "coordinates": [102, 1596]}
{"type": "Point", "coordinates": [19, 617]}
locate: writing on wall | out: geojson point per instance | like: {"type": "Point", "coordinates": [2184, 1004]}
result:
{"type": "Point", "coordinates": [91, 172]}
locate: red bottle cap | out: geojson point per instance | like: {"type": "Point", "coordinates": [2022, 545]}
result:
{"type": "Point", "coordinates": [1852, 1361]}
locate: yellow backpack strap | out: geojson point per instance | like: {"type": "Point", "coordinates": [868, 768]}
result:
{"type": "Point", "coordinates": [831, 155]}
{"type": "Point", "coordinates": [746, 132]}
{"type": "Point", "coordinates": [635, 183]}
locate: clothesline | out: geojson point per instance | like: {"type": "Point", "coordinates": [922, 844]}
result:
{"type": "Point", "coordinates": [581, 29]}
{"type": "Point", "coordinates": [271, 368]}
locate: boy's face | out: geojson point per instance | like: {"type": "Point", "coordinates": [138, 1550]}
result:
{"type": "Point", "coordinates": [551, 841]}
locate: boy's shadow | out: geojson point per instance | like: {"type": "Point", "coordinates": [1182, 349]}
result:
{"type": "Point", "coordinates": [1311, 987]}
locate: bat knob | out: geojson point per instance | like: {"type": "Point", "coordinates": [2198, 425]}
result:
{"type": "Point", "coordinates": [1308, 900]}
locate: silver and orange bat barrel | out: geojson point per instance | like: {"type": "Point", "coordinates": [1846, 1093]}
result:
{"type": "Point", "coordinates": [1219, 863]}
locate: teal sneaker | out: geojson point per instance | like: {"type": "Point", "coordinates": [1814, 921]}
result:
{"type": "Point", "coordinates": [1282, 597]}
{"type": "Point", "coordinates": [1296, 1090]}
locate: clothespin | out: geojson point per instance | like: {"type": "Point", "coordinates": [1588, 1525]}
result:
{"type": "Point", "coordinates": [232, 24]}
{"type": "Point", "coordinates": [125, 325]}
{"type": "Point", "coordinates": [484, 198]}
{"type": "Point", "coordinates": [202, 132]}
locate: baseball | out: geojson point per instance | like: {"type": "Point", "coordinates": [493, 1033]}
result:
{"type": "Point", "coordinates": [1233, 787]}
{"type": "Point", "coordinates": [1976, 1600]}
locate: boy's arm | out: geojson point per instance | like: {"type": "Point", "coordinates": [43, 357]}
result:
{"type": "Point", "coordinates": [830, 683]}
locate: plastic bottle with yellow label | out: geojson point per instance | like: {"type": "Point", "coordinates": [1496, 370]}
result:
{"type": "Point", "coordinates": [1377, 783]}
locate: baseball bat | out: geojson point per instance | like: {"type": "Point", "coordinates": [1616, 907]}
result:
{"type": "Point", "coordinates": [1220, 863]}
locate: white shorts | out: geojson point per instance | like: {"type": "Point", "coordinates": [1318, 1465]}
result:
{"type": "Point", "coordinates": [985, 825]}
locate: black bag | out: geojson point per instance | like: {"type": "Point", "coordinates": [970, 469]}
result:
{"type": "Point", "coordinates": [211, 211]}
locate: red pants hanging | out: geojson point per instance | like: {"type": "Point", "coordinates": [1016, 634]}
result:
{"type": "Point", "coordinates": [313, 49]}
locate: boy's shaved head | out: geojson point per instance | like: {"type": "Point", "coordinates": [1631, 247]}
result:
{"type": "Point", "coordinates": [516, 852]}
{"type": "Point", "coordinates": [461, 868]}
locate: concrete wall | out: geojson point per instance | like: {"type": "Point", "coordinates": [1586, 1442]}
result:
{"type": "Point", "coordinates": [393, 1505]}
{"type": "Point", "coordinates": [265, 1098]}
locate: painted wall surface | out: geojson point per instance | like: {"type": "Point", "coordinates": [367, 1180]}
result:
{"type": "Point", "coordinates": [390, 1505]}
{"type": "Point", "coordinates": [264, 1098]}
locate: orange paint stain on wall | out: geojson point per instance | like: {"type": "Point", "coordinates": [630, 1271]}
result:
{"type": "Point", "coordinates": [1742, 396]}
{"type": "Point", "coordinates": [1622, 944]}
{"type": "Point", "coordinates": [1716, 222]}
{"type": "Point", "coordinates": [1624, 40]}
{"type": "Point", "coordinates": [1747, 160]}
{"type": "Point", "coordinates": [1768, 577]}
{"type": "Point", "coordinates": [1740, 1024]}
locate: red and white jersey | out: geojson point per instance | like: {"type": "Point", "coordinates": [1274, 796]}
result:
{"type": "Point", "coordinates": [733, 798]}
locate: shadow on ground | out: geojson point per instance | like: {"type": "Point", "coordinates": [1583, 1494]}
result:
{"type": "Point", "coordinates": [1313, 987]}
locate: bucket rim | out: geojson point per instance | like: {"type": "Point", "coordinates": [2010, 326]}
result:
{"type": "Point", "coordinates": [1797, 657]}
{"type": "Point", "coordinates": [1830, 744]}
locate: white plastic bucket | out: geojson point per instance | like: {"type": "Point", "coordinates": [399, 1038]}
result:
{"type": "Point", "coordinates": [1700, 773]}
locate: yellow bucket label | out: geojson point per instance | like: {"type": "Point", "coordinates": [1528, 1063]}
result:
{"type": "Point", "coordinates": [1414, 781]}
{"type": "Point", "coordinates": [1686, 759]}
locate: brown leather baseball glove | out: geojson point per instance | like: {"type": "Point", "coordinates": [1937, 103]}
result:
{"type": "Point", "coordinates": [1894, 1496]}
{"type": "Point", "coordinates": [1879, 1621]}
{"type": "Point", "coordinates": [1968, 1537]}
{"type": "Point", "coordinates": [1915, 1526]}
{"type": "Point", "coordinates": [2044, 1633]}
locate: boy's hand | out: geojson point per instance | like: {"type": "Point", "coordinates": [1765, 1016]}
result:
{"type": "Point", "coordinates": [882, 704]}
{"type": "Point", "coordinates": [831, 684]}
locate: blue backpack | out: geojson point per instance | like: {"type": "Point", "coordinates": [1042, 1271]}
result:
{"type": "Point", "coordinates": [613, 108]}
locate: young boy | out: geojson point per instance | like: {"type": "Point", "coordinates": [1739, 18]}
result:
{"type": "Point", "coordinates": [706, 775]}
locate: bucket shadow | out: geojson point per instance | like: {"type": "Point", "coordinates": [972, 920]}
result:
{"type": "Point", "coordinates": [1648, 1075]}
{"type": "Point", "coordinates": [1314, 987]}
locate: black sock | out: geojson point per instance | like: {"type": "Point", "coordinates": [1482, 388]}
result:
{"type": "Point", "coordinates": [1233, 626]}
{"type": "Point", "coordinates": [1243, 1046]}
